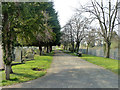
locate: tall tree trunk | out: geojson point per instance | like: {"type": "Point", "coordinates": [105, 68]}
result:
{"type": "Point", "coordinates": [40, 48]}
{"type": "Point", "coordinates": [77, 46]}
{"type": "Point", "coordinates": [21, 54]}
{"type": "Point", "coordinates": [107, 54]}
{"type": "Point", "coordinates": [64, 47]}
{"type": "Point", "coordinates": [104, 48]}
{"type": "Point", "coordinates": [87, 49]}
{"type": "Point", "coordinates": [11, 71]}
{"type": "Point", "coordinates": [73, 47]}
{"type": "Point", "coordinates": [7, 40]}
{"type": "Point", "coordinates": [8, 53]}
{"type": "Point", "coordinates": [50, 48]}
{"type": "Point", "coordinates": [47, 49]}
{"type": "Point", "coordinates": [7, 71]}
{"type": "Point", "coordinates": [12, 51]}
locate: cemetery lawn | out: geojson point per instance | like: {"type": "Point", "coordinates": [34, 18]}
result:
{"type": "Point", "coordinates": [108, 63]}
{"type": "Point", "coordinates": [24, 72]}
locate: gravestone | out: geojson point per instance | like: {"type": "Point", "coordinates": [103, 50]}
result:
{"type": "Point", "coordinates": [18, 54]}
{"type": "Point", "coordinates": [54, 47]}
{"type": "Point", "coordinates": [1, 58]}
{"type": "Point", "coordinates": [36, 49]}
{"type": "Point", "coordinates": [29, 53]}
{"type": "Point", "coordinates": [1, 53]}
{"type": "Point", "coordinates": [24, 51]}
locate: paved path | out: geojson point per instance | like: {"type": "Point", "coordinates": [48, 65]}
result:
{"type": "Point", "coordinates": [72, 72]}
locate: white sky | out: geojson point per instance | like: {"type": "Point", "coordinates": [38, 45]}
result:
{"type": "Point", "coordinates": [66, 9]}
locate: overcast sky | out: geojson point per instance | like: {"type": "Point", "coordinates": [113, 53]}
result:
{"type": "Point", "coordinates": [66, 9]}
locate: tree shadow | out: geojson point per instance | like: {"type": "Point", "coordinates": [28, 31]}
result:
{"type": "Point", "coordinates": [17, 64]}
{"type": "Point", "coordinates": [25, 75]}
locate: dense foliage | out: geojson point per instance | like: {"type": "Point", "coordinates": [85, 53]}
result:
{"type": "Point", "coordinates": [28, 24]}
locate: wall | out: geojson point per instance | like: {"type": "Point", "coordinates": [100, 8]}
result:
{"type": "Point", "coordinates": [100, 52]}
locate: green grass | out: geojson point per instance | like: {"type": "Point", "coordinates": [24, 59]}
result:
{"type": "Point", "coordinates": [108, 63]}
{"type": "Point", "coordinates": [59, 48]}
{"type": "Point", "coordinates": [70, 53]}
{"type": "Point", "coordinates": [24, 72]}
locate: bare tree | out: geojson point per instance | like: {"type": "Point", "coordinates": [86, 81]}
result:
{"type": "Point", "coordinates": [80, 25]}
{"type": "Point", "coordinates": [75, 31]}
{"type": "Point", "coordinates": [107, 17]}
{"type": "Point", "coordinates": [68, 31]}
{"type": "Point", "coordinates": [71, 34]}
{"type": "Point", "coordinates": [90, 38]}
{"type": "Point", "coordinates": [65, 40]}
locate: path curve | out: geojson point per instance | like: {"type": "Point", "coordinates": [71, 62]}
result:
{"type": "Point", "coordinates": [72, 72]}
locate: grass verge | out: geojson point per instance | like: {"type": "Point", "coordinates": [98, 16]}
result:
{"type": "Point", "coordinates": [24, 72]}
{"type": "Point", "coordinates": [70, 53]}
{"type": "Point", "coordinates": [108, 63]}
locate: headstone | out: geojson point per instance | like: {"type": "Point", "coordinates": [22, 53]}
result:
{"type": "Point", "coordinates": [1, 58]}
{"type": "Point", "coordinates": [18, 54]}
{"type": "Point", "coordinates": [1, 53]}
{"type": "Point", "coordinates": [28, 53]}
{"type": "Point", "coordinates": [30, 56]}
{"type": "Point", "coordinates": [24, 51]}
{"type": "Point", "coordinates": [37, 50]}
{"type": "Point", "coordinates": [54, 47]}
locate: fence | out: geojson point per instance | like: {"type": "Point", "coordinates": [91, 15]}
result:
{"type": "Point", "coordinates": [100, 52]}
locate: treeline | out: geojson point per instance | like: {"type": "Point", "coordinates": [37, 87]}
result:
{"type": "Point", "coordinates": [80, 30]}
{"type": "Point", "coordinates": [28, 24]}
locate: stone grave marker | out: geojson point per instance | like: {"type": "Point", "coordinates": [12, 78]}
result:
{"type": "Point", "coordinates": [1, 58]}
{"type": "Point", "coordinates": [18, 54]}
{"type": "Point", "coordinates": [28, 53]}
{"type": "Point", "coordinates": [1, 53]}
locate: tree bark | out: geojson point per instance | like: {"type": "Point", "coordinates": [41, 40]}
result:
{"type": "Point", "coordinates": [77, 46]}
{"type": "Point", "coordinates": [104, 48]}
{"type": "Point", "coordinates": [11, 71]}
{"type": "Point", "coordinates": [7, 71]}
{"type": "Point", "coordinates": [40, 48]}
{"type": "Point", "coordinates": [107, 55]}
{"type": "Point", "coordinates": [73, 47]}
{"type": "Point", "coordinates": [47, 49]}
{"type": "Point", "coordinates": [21, 54]}
{"type": "Point", "coordinates": [87, 49]}
{"type": "Point", "coordinates": [50, 48]}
